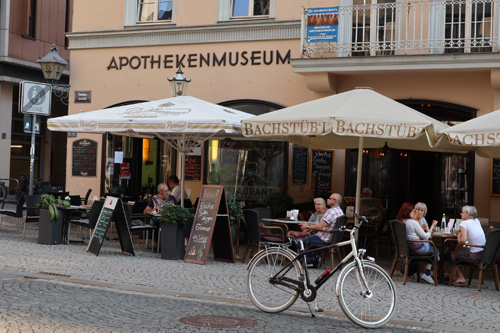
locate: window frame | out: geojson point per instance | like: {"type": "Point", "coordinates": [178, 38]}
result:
{"type": "Point", "coordinates": [251, 5]}
{"type": "Point", "coordinates": [139, 3]}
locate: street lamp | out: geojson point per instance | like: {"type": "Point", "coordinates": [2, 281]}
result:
{"type": "Point", "coordinates": [52, 68]}
{"type": "Point", "coordinates": [179, 83]}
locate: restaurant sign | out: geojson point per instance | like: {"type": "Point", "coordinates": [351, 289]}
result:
{"type": "Point", "coordinates": [194, 60]}
{"type": "Point", "coordinates": [339, 127]}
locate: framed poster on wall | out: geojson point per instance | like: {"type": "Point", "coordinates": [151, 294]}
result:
{"type": "Point", "coordinates": [495, 176]}
{"type": "Point", "coordinates": [321, 166]}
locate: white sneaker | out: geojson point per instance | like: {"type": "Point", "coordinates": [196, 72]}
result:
{"type": "Point", "coordinates": [427, 278]}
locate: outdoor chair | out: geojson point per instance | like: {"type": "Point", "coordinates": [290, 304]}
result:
{"type": "Point", "coordinates": [337, 238]}
{"type": "Point", "coordinates": [75, 200]}
{"type": "Point", "coordinates": [32, 212]}
{"type": "Point", "coordinates": [258, 232]}
{"type": "Point", "coordinates": [88, 222]}
{"type": "Point", "coordinates": [85, 200]}
{"type": "Point", "coordinates": [403, 254]}
{"type": "Point", "coordinates": [139, 223]}
{"type": "Point", "coordinates": [487, 260]}
{"type": "Point", "coordinates": [17, 213]}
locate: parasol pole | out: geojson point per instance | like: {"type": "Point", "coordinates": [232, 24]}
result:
{"type": "Point", "coordinates": [358, 180]}
{"type": "Point", "coordinates": [183, 160]}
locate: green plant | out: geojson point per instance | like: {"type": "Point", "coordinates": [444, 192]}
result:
{"type": "Point", "coordinates": [176, 214]}
{"type": "Point", "coordinates": [235, 208]}
{"type": "Point", "coordinates": [50, 203]}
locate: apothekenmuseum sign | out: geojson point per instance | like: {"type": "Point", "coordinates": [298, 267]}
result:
{"type": "Point", "coordinates": [208, 59]}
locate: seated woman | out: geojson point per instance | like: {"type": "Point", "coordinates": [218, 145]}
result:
{"type": "Point", "coordinates": [472, 233]}
{"type": "Point", "coordinates": [420, 212]}
{"type": "Point", "coordinates": [415, 232]}
{"type": "Point", "coordinates": [320, 206]}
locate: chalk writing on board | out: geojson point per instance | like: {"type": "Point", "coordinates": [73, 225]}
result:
{"type": "Point", "coordinates": [299, 163]}
{"type": "Point", "coordinates": [102, 225]}
{"type": "Point", "coordinates": [495, 176]}
{"type": "Point", "coordinates": [192, 168]}
{"type": "Point", "coordinates": [204, 223]}
{"type": "Point", "coordinates": [84, 162]}
{"type": "Point", "coordinates": [322, 170]}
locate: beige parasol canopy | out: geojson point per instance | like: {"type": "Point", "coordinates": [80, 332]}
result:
{"type": "Point", "coordinates": [184, 122]}
{"type": "Point", "coordinates": [357, 119]}
{"type": "Point", "coordinates": [481, 134]}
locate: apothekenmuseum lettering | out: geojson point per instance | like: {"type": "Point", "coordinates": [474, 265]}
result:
{"type": "Point", "coordinates": [193, 60]}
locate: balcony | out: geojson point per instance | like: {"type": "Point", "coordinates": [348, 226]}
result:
{"type": "Point", "coordinates": [410, 28]}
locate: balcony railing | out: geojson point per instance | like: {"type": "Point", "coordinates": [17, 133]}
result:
{"type": "Point", "coordinates": [411, 28]}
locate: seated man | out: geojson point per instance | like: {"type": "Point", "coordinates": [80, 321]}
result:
{"type": "Point", "coordinates": [328, 222]}
{"type": "Point", "coordinates": [157, 201]}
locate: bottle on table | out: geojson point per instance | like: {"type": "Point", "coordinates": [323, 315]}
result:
{"type": "Point", "coordinates": [443, 223]}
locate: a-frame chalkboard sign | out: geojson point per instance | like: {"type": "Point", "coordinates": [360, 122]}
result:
{"type": "Point", "coordinates": [113, 207]}
{"type": "Point", "coordinates": [210, 226]}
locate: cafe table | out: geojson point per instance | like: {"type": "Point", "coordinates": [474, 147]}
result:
{"type": "Point", "coordinates": [67, 211]}
{"type": "Point", "coordinates": [439, 239]}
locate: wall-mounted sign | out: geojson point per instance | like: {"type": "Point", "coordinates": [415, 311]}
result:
{"type": "Point", "coordinates": [193, 60]}
{"type": "Point", "coordinates": [84, 158]}
{"type": "Point", "coordinates": [83, 96]}
{"type": "Point", "coordinates": [322, 24]}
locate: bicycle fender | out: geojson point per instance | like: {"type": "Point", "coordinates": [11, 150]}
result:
{"type": "Point", "coordinates": [264, 250]}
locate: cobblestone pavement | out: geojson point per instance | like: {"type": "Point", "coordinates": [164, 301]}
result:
{"type": "Point", "coordinates": [64, 288]}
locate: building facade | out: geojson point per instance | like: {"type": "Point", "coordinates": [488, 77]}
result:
{"type": "Point", "coordinates": [28, 29]}
{"type": "Point", "coordinates": [261, 55]}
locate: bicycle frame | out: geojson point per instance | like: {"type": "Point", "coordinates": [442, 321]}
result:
{"type": "Point", "coordinates": [303, 284]}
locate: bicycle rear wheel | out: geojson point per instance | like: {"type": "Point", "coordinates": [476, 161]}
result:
{"type": "Point", "coordinates": [372, 308]}
{"type": "Point", "coordinates": [264, 295]}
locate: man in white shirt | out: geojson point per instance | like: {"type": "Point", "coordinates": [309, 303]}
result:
{"type": "Point", "coordinates": [174, 184]}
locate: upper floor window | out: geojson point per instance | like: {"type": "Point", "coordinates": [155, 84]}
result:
{"type": "Point", "coordinates": [154, 10]}
{"type": "Point", "coordinates": [246, 8]}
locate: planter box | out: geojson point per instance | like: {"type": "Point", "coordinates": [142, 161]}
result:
{"type": "Point", "coordinates": [172, 241]}
{"type": "Point", "coordinates": [49, 232]}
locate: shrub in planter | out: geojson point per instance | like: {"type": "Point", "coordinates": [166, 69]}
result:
{"type": "Point", "coordinates": [173, 223]}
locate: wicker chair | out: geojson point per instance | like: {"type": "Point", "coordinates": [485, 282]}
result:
{"type": "Point", "coordinates": [403, 254]}
{"type": "Point", "coordinates": [490, 252]}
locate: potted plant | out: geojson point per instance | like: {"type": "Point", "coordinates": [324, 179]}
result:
{"type": "Point", "coordinates": [174, 220]}
{"type": "Point", "coordinates": [50, 226]}
{"type": "Point", "coordinates": [235, 210]}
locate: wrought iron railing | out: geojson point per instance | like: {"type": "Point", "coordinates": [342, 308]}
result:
{"type": "Point", "coordinates": [410, 28]}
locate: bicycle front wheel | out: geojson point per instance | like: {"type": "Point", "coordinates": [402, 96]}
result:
{"type": "Point", "coordinates": [368, 308]}
{"type": "Point", "coordinates": [264, 295]}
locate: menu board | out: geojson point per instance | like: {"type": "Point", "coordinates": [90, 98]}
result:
{"type": "Point", "coordinates": [192, 168]}
{"type": "Point", "coordinates": [299, 165]}
{"type": "Point", "coordinates": [322, 170]}
{"type": "Point", "coordinates": [211, 220]}
{"type": "Point", "coordinates": [84, 160]}
{"type": "Point", "coordinates": [495, 176]}
{"type": "Point", "coordinates": [102, 226]}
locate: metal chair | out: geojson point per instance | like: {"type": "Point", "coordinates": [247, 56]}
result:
{"type": "Point", "coordinates": [403, 254]}
{"type": "Point", "coordinates": [90, 221]}
{"type": "Point", "coordinates": [336, 238]}
{"type": "Point", "coordinates": [17, 213]}
{"type": "Point", "coordinates": [85, 200]}
{"type": "Point", "coordinates": [32, 212]}
{"type": "Point", "coordinates": [487, 260]}
{"type": "Point", "coordinates": [258, 232]}
{"type": "Point", "coordinates": [139, 222]}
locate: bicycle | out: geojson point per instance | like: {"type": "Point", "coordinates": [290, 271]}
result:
{"type": "Point", "coordinates": [276, 276]}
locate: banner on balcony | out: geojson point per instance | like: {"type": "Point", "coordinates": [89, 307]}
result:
{"type": "Point", "coordinates": [322, 24]}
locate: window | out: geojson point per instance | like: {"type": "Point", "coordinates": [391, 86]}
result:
{"type": "Point", "coordinates": [30, 18]}
{"type": "Point", "coordinates": [154, 10]}
{"type": "Point", "coordinates": [245, 8]}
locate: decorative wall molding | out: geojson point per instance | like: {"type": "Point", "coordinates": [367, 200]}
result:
{"type": "Point", "coordinates": [151, 36]}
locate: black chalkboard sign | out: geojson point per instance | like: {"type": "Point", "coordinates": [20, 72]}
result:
{"type": "Point", "coordinates": [299, 165]}
{"type": "Point", "coordinates": [495, 176]}
{"type": "Point", "coordinates": [112, 207]}
{"type": "Point", "coordinates": [322, 170]}
{"type": "Point", "coordinates": [84, 160]}
{"type": "Point", "coordinates": [211, 220]}
{"type": "Point", "coordinates": [192, 168]}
